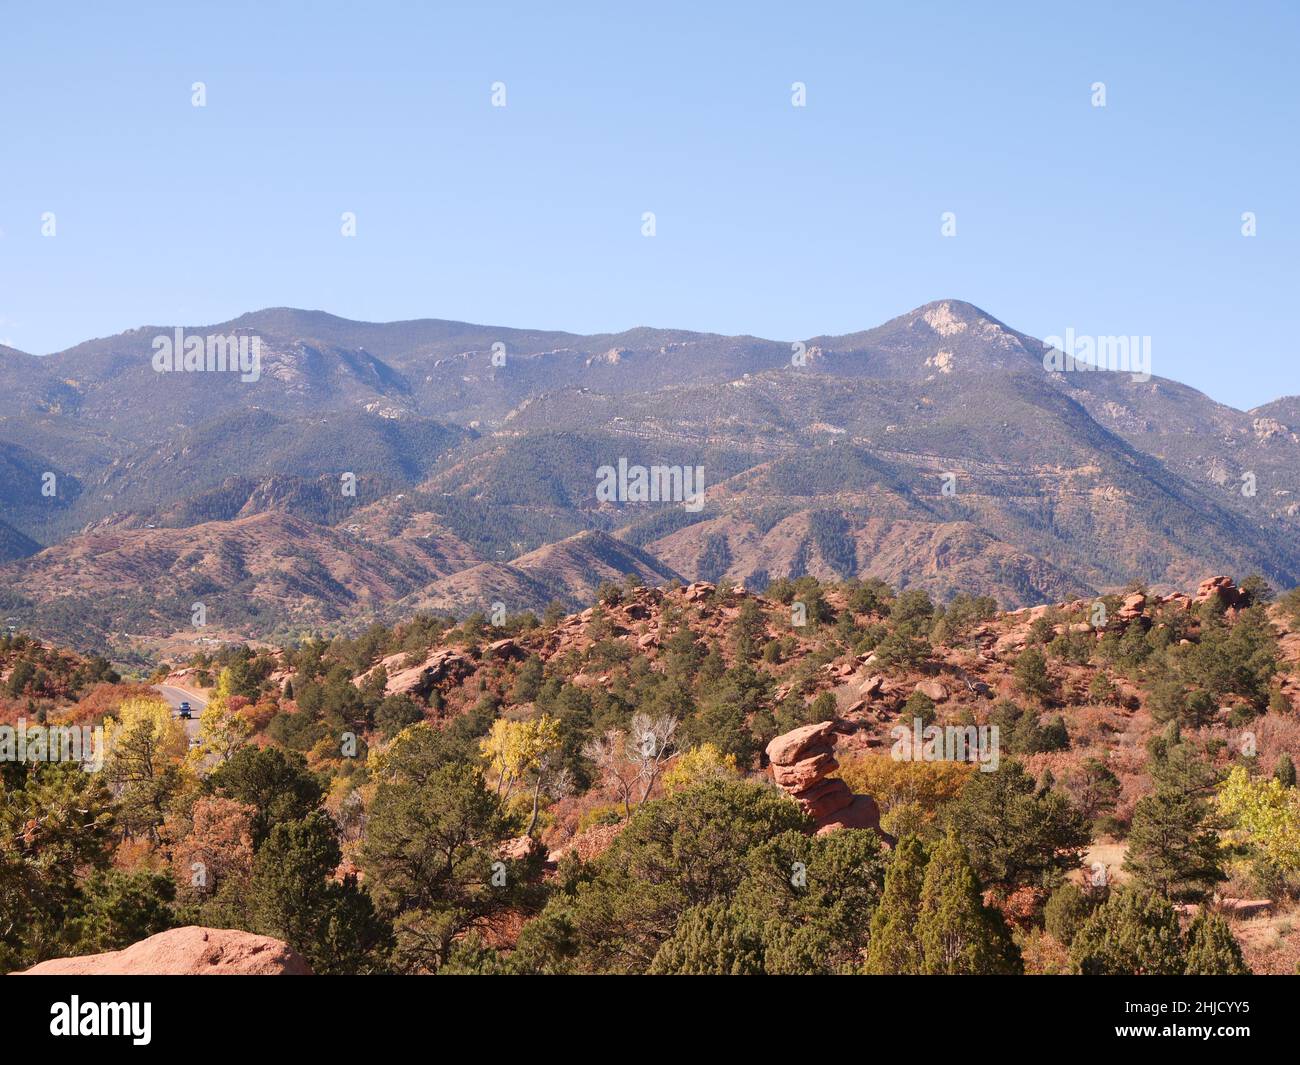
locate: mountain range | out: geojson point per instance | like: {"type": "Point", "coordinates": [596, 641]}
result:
{"type": "Point", "coordinates": [377, 470]}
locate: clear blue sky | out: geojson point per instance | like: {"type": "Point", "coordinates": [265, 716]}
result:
{"type": "Point", "coordinates": [771, 220]}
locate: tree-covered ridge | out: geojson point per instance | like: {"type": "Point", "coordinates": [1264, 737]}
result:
{"type": "Point", "coordinates": [589, 792]}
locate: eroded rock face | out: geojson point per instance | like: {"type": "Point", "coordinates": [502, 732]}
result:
{"type": "Point", "coordinates": [1222, 589]}
{"type": "Point", "coordinates": [1133, 607]}
{"type": "Point", "coordinates": [806, 772]}
{"type": "Point", "coordinates": [189, 951]}
{"type": "Point", "coordinates": [790, 747]}
{"type": "Point", "coordinates": [862, 812]}
{"type": "Point", "coordinates": [802, 761]}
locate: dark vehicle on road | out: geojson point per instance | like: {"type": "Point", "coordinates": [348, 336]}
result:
{"type": "Point", "coordinates": [185, 713]}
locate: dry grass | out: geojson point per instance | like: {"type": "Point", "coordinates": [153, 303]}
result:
{"type": "Point", "coordinates": [1271, 942]}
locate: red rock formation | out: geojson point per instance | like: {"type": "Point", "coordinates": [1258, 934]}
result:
{"type": "Point", "coordinates": [1222, 589]}
{"type": "Point", "coordinates": [1133, 607]}
{"type": "Point", "coordinates": [802, 761]}
{"type": "Point", "coordinates": [189, 951]}
{"type": "Point", "coordinates": [799, 743]}
{"type": "Point", "coordinates": [862, 812]}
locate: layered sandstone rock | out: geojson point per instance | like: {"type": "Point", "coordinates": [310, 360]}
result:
{"type": "Point", "coordinates": [697, 591]}
{"type": "Point", "coordinates": [862, 812]}
{"type": "Point", "coordinates": [802, 761]}
{"type": "Point", "coordinates": [189, 951]}
{"type": "Point", "coordinates": [1133, 607]}
{"type": "Point", "coordinates": [1223, 589]}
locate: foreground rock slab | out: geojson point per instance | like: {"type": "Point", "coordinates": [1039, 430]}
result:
{"type": "Point", "coordinates": [188, 951]}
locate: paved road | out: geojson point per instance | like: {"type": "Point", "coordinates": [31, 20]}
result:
{"type": "Point", "coordinates": [175, 696]}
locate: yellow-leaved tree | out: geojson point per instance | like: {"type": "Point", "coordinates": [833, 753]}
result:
{"type": "Point", "coordinates": [524, 753]}
{"type": "Point", "coordinates": [145, 718]}
{"type": "Point", "coordinates": [697, 766]}
{"type": "Point", "coordinates": [1264, 814]}
{"type": "Point", "coordinates": [145, 762]}
{"type": "Point", "coordinates": [911, 794]}
{"type": "Point", "coordinates": [222, 730]}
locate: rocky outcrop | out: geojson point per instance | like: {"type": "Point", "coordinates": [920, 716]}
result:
{"type": "Point", "coordinates": [698, 591]}
{"type": "Point", "coordinates": [1133, 607]}
{"type": "Point", "coordinates": [1223, 590]}
{"type": "Point", "coordinates": [188, 951]}
{"type": "Point", "coordinates": [519, 849]}
{"type": "Point", "coordinates": [802, 761]}
{"type": "Point", "coordinates": [506, 650]}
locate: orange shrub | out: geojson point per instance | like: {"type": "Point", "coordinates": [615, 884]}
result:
{"type": "Point", "coordinates": [926, 785]}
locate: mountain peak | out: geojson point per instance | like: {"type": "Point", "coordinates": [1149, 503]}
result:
{"type": "Point", "coordinates": [949, 316]}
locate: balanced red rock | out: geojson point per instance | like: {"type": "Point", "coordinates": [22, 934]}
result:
{"type": "Point", "coordinates": [806, 772]}
{"type": "Point", "coordinates": [802, 761]}
{"type": "Point", "coordinates": [188, 951]}
{"type": "Point", "coordinates": [798, 743]}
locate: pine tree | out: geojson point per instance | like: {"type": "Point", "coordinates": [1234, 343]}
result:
{"type": "Point", "coordinates": [1066, 911]}
{"type": "Point", "coordinates": [1018, 834]}
{"type": "Point", "coordinates": [959, 935]}
{"type": "Point", "coordinates": [1173, 845]}
{"type": "Point", "coordinates": [1133, 933]}
{"type": "Point", "coordinates": [894, 949]}
{"type": "Point", "coordinates": [1170, 849]}
{"type": "Point", "coordinates": [1284, 771]}
{"type": "Point", "coordinates": [295, 897]}
{"type": "Point", "coordinates": [1031, 673]}
{"type": "Point", "coordinates": [1212, 949]}
{"type": "Point", "coordinates": [1096, 788]}
{"type": "Point", "coordinates": [712, 940]}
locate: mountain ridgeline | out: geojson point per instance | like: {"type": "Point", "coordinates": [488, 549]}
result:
{"type": "Point", "coordinates": [372, 470]}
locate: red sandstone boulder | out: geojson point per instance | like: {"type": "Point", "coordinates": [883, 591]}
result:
{"type": "Point", "coordinates": [794, 745]}
{"type": "Point", "coordinates": [825, 799]}
{"type": "Point", "coordinates": [806, 772]}
{"type": "Point", "coordinates": [189, 951]}
{"type": "Point", "coordinates": [519, 849]}
{"type": "Point", "coordinates": [862, 812]}
{"type": "Point", "coordinates": [1223, 589]}
{"type": "Point", "coordinates": [698, 590]}
{"type": "Point", "coordinates": [873, 687]}
{"type": "Point", "coordinates": [1133, 606]}
{"type": "Point", "coordinates": [506, 650]}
